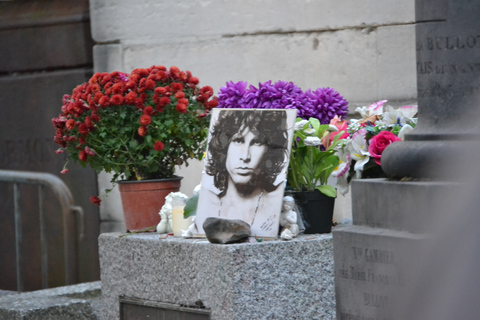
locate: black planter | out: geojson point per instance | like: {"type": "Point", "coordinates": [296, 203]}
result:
{"type": "Point", "coordinates": [316, 210]}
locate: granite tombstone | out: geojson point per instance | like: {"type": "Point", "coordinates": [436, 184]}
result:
{"type": "Point", "coordinates": [392, 218]}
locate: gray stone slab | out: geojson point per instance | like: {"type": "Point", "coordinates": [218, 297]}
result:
{"type": "Point", "coordinates": [266, 280]}
{"type": "Point", "coordinates": [62, 303]}
{"type": "Point", "coordinates": [397, 205]}
{"type": "Point", "coordinates": [370, 264]}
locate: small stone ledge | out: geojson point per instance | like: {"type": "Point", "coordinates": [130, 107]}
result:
{"type": "Point", "coordinates": [81, 301]}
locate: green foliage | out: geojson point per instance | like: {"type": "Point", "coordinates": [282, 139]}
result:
{"type": "Point", "coordinates": [191, 207]}
{"type": "Point", "coordinates": [311, 161]}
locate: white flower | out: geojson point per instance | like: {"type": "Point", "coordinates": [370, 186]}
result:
{"type": "Point", "coordinates": [405, 129]}
{"type": "Point", "coordinates": [309, 131]}
{"type": "Point", "coordinates": [332, 128]}
{"type": "Point", "coordinates": [373, 109]}
{"type": "Point", "coordinates": [300, 124]}
{"type": "Point", "coordinates": [358, 149]}
{"type": "Point", "coordinates": [408, 112]}
{"type": "Point", "coordinates": [312, 141]}
{"type": "Point", "coordinates": [392, 118]}
{"type": "Point", "coordinates": [343, 165]}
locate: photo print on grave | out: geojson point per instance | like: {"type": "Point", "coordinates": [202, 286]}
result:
{"type": "Point", "coordinates": [246, 167]}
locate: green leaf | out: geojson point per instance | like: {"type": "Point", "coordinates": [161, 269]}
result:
{"type": "Point", "coordinates": [191, 207]}
{"type": "Point", "coordinates": [133, 144]}
{"type": "Point", "coordinates": [327, 190]}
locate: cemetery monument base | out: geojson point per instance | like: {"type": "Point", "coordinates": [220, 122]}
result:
{"type": "Point", "coordinates": [268, 280]}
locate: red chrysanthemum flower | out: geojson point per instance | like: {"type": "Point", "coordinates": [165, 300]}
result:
{"type": "Point", "coordinates": [89, 122]}
{"type": "Point", "coordinates": [130, 85]}
{"type": "Point", "coordinates": [83, 129]}
{"type": "Point", "coordinates": [82, 155]}
{"type": "Point", "coordinates": [180, 95]}
{"type": "Point", "coordinates": [207, 90]}
{"type": "Point", "coordinates": [202, 98]}
{"type": "Point", "coordinates": [95, 88]}
{"type": "Point", "coordinates": [142, 131]}
{"type": "Point", "coordinates": [174, 71]}
{"type": "Point", "coordinates": [183, 76]}
{"type": "Point", "coordinates": [164, 101]}
{"type": "Point", "coordinates": [149, 84]}
{"type": "Point", "coordinates": [97, 96]}
{"type": "Point", "coordinates": [93, 106]}
{"type": "Point", "coordinates": [90, 151]}
{"type": "Point", "coordinates": [211, 104]}
{"type": "Point", "coordinates": [145, 120]}
{"type": "Point", "coordinates": [130, 98]}
{"type": "Point", "coordinates": [95, 117]}
{"type": "Point", "coordinates": [70, 124]}
{"type": "Point", "coordinates": [60, 141]}
{"type": "Point", "coordinates": [158, 146]}
{"type": "Point", "coordinates": [182, 108]}
{"type": "Point", "coordinates": [116, 100]}
{"type": "Point", "coordinates": [148, 110]}
{"type": "Point", "coordinates": [177, 87]}
{"type": "Point", "coordinates": [117, 88]}
{"type": "Point", "coordinates": [160, 90]}
{"type": "Point", "coordinates": [193, 80]}
{"type": "Point", "coordinates": [183, 101]}
{"type": "Point", "coordinates": [95, 200]}
{"type": "Point", "coordinates": [104, 101]}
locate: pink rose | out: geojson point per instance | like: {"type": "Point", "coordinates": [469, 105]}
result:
{"type": "Point", "coordinates": [379, 142]}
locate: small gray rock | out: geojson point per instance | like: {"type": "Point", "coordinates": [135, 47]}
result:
{"type": "Point", "coordinates": [226, 231]}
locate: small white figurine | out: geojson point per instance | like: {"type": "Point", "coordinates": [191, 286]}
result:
{"type": "Point", "coordinates": [288, 219]}
{"type": "Point", "coordinates": [165, 225]}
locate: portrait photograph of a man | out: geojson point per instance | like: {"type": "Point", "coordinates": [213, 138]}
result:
{"type": "Point", "coordinates": [246, 167]}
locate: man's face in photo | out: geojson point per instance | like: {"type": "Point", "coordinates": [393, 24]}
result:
{"type": "Point", "coordinates": [244, 154]}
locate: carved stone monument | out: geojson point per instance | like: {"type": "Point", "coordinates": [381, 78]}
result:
{"type": "Point", "coordinates": [392, 219]}
{"type": "Point", "coordinates": [177, 278]}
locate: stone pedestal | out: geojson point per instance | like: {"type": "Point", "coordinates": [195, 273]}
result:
{"type": "Point", "coordinates": [261, 280]}
{"type": "Point", "coordinates": [392, 260]}
{"type": "Point", "coordinates": [373, 255]}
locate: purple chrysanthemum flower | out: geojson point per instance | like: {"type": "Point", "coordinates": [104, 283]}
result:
{"type": "Point", "coordinates": [323, 103]}
{"type": "Point", "coordinates": [231, 96]}
{"type": "Point", "coordinates": [327, 103]}
{"type": "Point", "coordinates": [304, 105]}
{"type": "Point", "coordinates": [277, 96]}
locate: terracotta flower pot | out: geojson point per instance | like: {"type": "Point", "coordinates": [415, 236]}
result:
{"type": "Point", "coordinates": [142, 200]}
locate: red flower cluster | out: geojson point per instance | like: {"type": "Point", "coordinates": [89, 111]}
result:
{"type": "Point", "coordinates": [138, 125]}
{"type": "Point", "coordinates": [150, 90]}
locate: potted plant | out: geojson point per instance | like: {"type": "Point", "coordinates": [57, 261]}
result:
{"type": "Point", "coordinates": [138, 126]}
{"type": "Point", "coordinates": [313, 157]}
{"type": "Point", "coordinates": [361, 151]}
{"type": "Point", "coordinates": [312, 161]}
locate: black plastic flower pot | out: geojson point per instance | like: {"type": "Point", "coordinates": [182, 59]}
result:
{"type": "Point", "coordinates": [316, 210]}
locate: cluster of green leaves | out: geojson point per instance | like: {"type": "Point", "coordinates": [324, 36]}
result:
{"type": "Point", "coordinates": [120, 149]}
{"type": "Point", "coordinates": [311, 165]}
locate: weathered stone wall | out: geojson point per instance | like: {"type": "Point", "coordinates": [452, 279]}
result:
{"type": "Point", "coordinates": [365, 50]}
{"type": "Point", "coordinates": [46, 50]}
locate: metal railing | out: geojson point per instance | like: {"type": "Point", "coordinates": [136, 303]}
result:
{"type": "Point", "coordinates": [68, 211]}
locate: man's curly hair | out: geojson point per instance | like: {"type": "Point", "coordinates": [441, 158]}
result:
{"type": "Point", "coordinates": [270, 128]}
